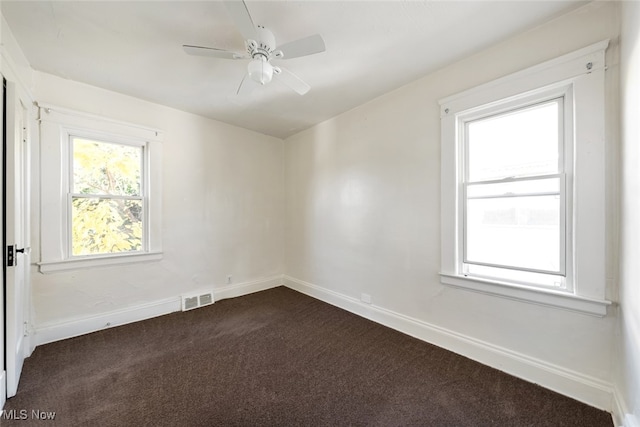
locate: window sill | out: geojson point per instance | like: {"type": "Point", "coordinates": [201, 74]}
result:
{"type": "Point", "coordinates": [99, 261]}
{"type": "Point", "coordinates": [550, 298]}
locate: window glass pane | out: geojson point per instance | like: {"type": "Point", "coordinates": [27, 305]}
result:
{"type": "Point", "coordinates": [528, 187]}
{"type": "Point", "coordinates": [519, 143]}
{"type": "Point", "coordinates": [104, 168]}
{"type": "Point", "coordinates": [519, 232]}
{"type": "Point", "coordinates": [105, 226]}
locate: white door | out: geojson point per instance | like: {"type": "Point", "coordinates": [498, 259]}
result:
{"type": "Point", "coordinates": [16, 237]}
{"type": "Point", "coordinates": [3, 373]}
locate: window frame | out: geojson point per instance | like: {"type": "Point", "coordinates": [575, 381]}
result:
{"type": "Point", "coordinates": [578, 77]}
{"type": "Point", "coordinates": [562, 94]}
{"type": "Point", "coordinates": [58, 126]}
{"type": "Point", "coordinates": [143, 197]}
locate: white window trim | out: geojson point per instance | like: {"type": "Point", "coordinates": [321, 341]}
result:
{"type": "Point", "coordinates": [584, 72]}
{"type": "Point", "coordinates": [56, 126]}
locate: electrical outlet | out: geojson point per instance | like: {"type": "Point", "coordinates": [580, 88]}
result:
{"type": "Point", "coordinates": [229, 279]}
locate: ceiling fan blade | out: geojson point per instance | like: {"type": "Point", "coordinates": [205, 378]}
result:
{"type": "Point", "coordinates": [302, 47]}
{"type": "Point", "coordinates": [247, 86]}
{"type": "Point", "coordinates": [212, 52]}
{"type": "Point", "coordinates": [242, 18]}
{"type": "Point", "coordinates": [293, 81]}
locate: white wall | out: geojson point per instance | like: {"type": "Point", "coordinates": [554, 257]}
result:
{"type": "Point", "coordinates": [363, 216]}
{"type": "Point", "coordinates": [361, 208]}
{"type": "Point", "coordinates": [222, 211]}
{"type": "Point", "coordinates": [628, 364]}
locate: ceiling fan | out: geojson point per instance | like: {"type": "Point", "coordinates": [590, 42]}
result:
{"type": "Point", "coordinates": [261, 48]}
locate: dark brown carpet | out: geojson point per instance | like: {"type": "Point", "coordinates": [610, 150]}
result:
{"type": "Point", "coordinates": [275, 358]}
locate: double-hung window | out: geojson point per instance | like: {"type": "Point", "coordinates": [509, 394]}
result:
{"type": "Point", "coordinates": [514, 193]}
{"type": "Point", "coordinates": [106, 197]}
{"type": "Point", "coordinates": [101, 191]}
{"type": "Point", "coordinates": [523, 185]}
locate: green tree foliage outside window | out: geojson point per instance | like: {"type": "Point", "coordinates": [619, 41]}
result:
{"type": "Point", "coordinates": [106, 200]}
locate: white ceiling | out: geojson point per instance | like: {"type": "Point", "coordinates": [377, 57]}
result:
{"type": "Point", "coordinates": [135, 47]}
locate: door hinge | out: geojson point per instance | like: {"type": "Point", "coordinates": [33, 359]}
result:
{"type": "Point", "coordinates": [24, 134]}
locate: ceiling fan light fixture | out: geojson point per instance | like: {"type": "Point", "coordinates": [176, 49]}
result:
{"type": "Point", "coordinates": [260, 70]}
{"type": "Point", "coordinates": [260, 49]}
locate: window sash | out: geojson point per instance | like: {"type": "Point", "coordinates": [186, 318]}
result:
{"type": "Point", "coordinates": [104, 196]}
{"type": "Point", "coordinates": [143, 214]}
{"type": "Point", "coordinates": [142, 197]}
{"type": "Point", "coordinates": [467, 186]}
{"type": "Point", "coordinates": [561, 240]}
{"type": "Point", "coordinates": [514, 276]}
{"type": "Point", "coordinates": [512, 180]}
{"type": "Point", "coordinates": [112, 141]}
{"type": "Point", "coordinates": [492, 112]}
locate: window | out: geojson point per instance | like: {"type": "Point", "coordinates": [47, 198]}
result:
{"type": "Point", "coordinates": [514, 194]}
{"type": "Point", "coordinates": [100, 191]}
{"type": "Point", "coordinates": [107, 197]}
{"type": "Point", "coordinates": [523, 185]}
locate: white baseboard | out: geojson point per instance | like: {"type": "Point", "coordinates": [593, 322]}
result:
{"type": "Point", "coordinates": [47, 333]}
{"type": "Point", "coordinates": [618, 408]}
{"type": "Point", "coordinates": [621, 416]}
{"type": "Point", "coordinates": [246, 288]}
{"type": "Point", "coordinates": [584, 388]}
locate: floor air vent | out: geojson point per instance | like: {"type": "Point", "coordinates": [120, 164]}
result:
{"type": "Point", "coordinates": [189, 302]}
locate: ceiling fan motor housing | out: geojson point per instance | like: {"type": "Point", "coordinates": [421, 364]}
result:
{"type": "Point", "coordinates": [261, 51]}
{"type": "Point", "coordinates": [264, 45]}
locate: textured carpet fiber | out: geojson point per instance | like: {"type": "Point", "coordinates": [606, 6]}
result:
{"type": "Point", "coordinates": [274, 358]}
